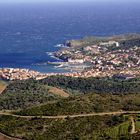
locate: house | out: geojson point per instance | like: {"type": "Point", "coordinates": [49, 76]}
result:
{"type": "Point", "coordinates": [110, 43]}
{"type": "Point", "coordinates": [70, 60]}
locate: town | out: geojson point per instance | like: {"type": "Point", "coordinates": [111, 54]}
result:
{"type": "Point", "coordinates": [97, 59]}
{"type": "Point", "coordinates": [104, 57]}
{"type": "Point", "coordinates": [12, 74]}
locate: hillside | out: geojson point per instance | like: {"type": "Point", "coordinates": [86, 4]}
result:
{"type": "Point", "coordinates": [57, 91]}
{"type": "Point", "coordinates": [42, 104]}
{"type": "Point", "coordinates": [3, 86]}
{"type": "Point", "coordinates": [95, 39]}
{"type": "Point", "coordinates": [22, 94]}
{"type": "Point", "coordinates": [92, 127]}
{"type": "Point", "coordinates": [86, 104]}
{"type": "Point", "coordinates": [94, 85]}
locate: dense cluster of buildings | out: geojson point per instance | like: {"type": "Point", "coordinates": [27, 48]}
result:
{"type": "Point", "coordinates": [103, 59]}
{"type": "Point", "coordinates": [21, 74]}
{"type": "Point", "coordinates": [97, 73]}
{"type": "Point", "coordinates": [11, 74]}
{"type": "Point", "coordinates": [103, 56]}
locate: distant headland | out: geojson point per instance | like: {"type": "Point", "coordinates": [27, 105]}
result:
{"type": "Point", "coordinates": [91, 57]}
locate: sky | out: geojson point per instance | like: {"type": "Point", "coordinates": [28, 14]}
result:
{"type": "Point", "coordinates": [64, 1]}
{"type": "Point", "coordinates": [35, 0]}
{"type": "Point", "coordinates": [39, 1]}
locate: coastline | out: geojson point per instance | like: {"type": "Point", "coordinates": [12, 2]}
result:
{"type": "Point", "coordinates": [115, 55]}
{"type": "Point", "coordinates": [13, 74]}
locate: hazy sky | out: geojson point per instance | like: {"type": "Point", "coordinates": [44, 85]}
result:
{"type": "Point", "coordinates": [39, 1]}
{"type": "Point", "coordinates": [56, 1]}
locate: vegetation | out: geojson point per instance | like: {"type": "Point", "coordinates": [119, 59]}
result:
{"type": "Point", "coordinates": [96, 128]}
{"type": "Point", "coordinates": [137, 122]}
{"type": "Point", "coordinates": [95, 85]}
{"type": "Point", "coordinates": [84, 95]}
{"type": "Point", "coordinates": [60, 95]}
{"type": "Point", "coordinates": [81, 128]}
{"type": "Point", "coordinates": [22, 94]}
{"type": "Point", "coordinates": [88, 103]}
{"type": "Point", "coordinates": [95, 40]}
{"type": "Point", "coordinates": [58, 91]}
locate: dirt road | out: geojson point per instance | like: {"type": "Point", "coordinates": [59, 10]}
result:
{"type": "Point", "coordinates": [5, 137]}
{"type": "Point", "coordinates": [73, 116]}
{"type": "Point", "coordinates": [133, 130]}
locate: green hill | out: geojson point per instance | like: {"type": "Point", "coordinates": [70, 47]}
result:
{"type": "Point", "coordinates": [22, 94]}
{"type": "Point", "coordinates": [75, 96]}
{"type": "Point", "coordinates": [81, 128]}
{"type": "Point", "coordinates": [88, 103]}
{"type": "Point", "coordinates": [94, 84]}
{"type": "Point", "coordinates": [96, 39]}
{"type": "Point", "coordinates": [63, 129]}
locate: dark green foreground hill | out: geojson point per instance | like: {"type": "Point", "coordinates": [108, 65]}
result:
{"type": "Point", "coordinates": [87, 95]}
{"type": "Point", "coordinates": [87, 103]}
{"type": "Point", "coordinates": [95, 84]}
{"type": "Point", "coordinates": [21, 94]}
{"type": "Point", "coordinates": [81, 128]}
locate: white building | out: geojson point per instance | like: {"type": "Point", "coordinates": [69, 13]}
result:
{"type": "Point", "coordinates": [70, 60]}
{"type": "Point", "coordinates": [110, 43]}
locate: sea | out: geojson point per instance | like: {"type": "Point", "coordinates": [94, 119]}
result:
{"type": "Point", "coordinates": [28, 32]}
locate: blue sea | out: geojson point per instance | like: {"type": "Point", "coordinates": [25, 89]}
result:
{"type": "Point", "coordinates": [29, 31]}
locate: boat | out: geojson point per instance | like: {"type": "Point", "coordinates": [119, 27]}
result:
{"type": "Point", "coordinates": [60, 45]}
